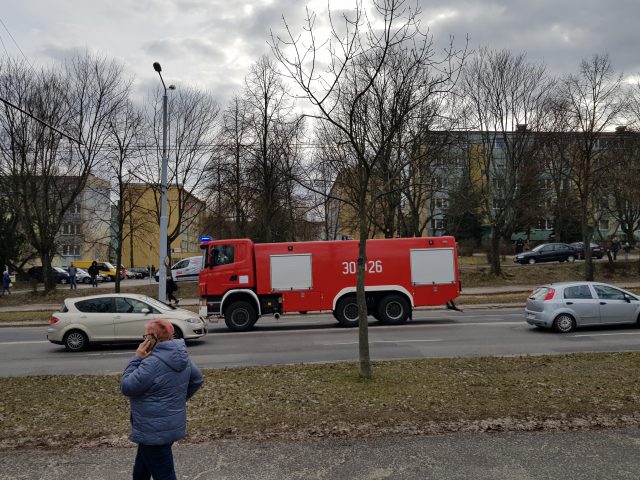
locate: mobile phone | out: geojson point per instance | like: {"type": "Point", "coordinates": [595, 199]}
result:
{"type": "Point", "coordinates": [152, 344]}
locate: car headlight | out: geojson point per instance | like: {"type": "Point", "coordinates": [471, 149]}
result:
{"type": "Point", "coordinates": [520, 257]}
{"type": "Point", "coordinates": [194, 320]}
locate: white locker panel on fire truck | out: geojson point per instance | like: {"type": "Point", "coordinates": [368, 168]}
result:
{"type": "Point", "coordinates": [291, 272]}
{"type": "Point", "coordinates": [432, 266]}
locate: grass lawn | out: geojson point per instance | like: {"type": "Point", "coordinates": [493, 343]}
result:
{"type": "Point", "coordinates": [308, 401]}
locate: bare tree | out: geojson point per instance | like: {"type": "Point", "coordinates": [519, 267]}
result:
{"type": "Point", "coordinates": [46, 173]}
{"type": "Point", "coordinates": [591, 103]}
{"type": "Point", "coordinates": [274, 133]}
{"type": "Point", "coordinates": [506, 98]}
{"type": "Point", "coordinates": [193, 123]}
{"type": "Point", "coordinates": [120, 160]}
{"type": "Point", "coordinates": [343, 95]}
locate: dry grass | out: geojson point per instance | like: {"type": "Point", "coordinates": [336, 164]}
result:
{"type": "Point", "coordinates": [185, 290]}
{"type": "Point", "coordinates": [406, 397]}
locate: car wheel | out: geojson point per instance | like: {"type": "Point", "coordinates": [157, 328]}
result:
{"type": "Point", "coordinates": [76, 341]}
{"type": "Point", "coordinates": [393, 310]}
{"type": "Point", "coordinates": [86, 280]}
{"type": "Point", "coordinates": [564, 323]}
{"type": "Point", "coordinates": [63, 281]}
{"type": "Point", "coordinates": [346, 312]}
{"type": "Point", "coordinates": [177, 333]}
{"type": "Point", "coordinates": [532, 261]}
{"type": "Point", "coordinates": [240, 316]}
{"type": "Point", "coordinates": [571, 259]}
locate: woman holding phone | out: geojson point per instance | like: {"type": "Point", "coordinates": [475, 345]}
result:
{"type": "Point", "coordinates": [159, 380]}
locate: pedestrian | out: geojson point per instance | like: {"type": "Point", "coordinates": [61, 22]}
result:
{"type": "Point", "coordinates": [73, 271]}
{"type": "Point", "coordinates": [519, 245]}
{"type": "Point", "coordinates": [159, 380]}
{"type": "Point", "coordinates": [170, 288]}
{"type": "Point", "coordinates": [93, 273]}
{"type": "Point", "coordinates": [6, 282]}
{"type": "Point", "coordinates": [626, 247]}
{"type": "Point", "coordinates": [615, 247]}
{"type": "Point", "coordinates": [153, 270]}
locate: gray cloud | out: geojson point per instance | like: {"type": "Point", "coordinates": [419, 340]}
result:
{"type": "Point", "coordinates": [212, 43]}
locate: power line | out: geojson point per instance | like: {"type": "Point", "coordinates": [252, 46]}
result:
{"type": "Point", "coordinates": [16, 43]}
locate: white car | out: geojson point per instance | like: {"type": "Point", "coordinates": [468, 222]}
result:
{"type": "Point", "coordinates": [117, 317]}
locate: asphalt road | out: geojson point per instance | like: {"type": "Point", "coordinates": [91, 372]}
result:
{"type": "Point", "coordinates": [316, 338]}
{"type": "Point", "coordinates": [603, 454]}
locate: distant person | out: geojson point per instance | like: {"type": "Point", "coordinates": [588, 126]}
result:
{"type": "Point", "coordinates": [626, 247]}
{"type": "Point", "coordinates": [519, 245]}
{"type": "Point", "coordinates": [158, 381]}
{"type": "Point", "coordinates": [6, 282]}
{"type": "Point", "coordinates": [153, 270]}
{"type": "Point", "coordinates": [171, 287]}
{"type": "Point", "coordinates": [615, 247]}
{"type": "Point", "coordinates": [93, 273]}
{"type": "Point", "coordinates": [73, 271]}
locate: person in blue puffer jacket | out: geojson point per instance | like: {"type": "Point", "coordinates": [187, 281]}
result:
{"type": "Point", "coordinates": [158, 381]}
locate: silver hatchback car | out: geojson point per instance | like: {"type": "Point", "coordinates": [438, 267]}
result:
{"type": "Point", "coordinates": [566, 306]}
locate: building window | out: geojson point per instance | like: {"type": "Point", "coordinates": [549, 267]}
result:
{"type": "Point", "coordinates": [442, 203]}
{"type": "Point", "coordinates": [438, 223]}
{"type": "Point", "coordinates": [545, 224]}
{"type": "Point", "coordinates": [75, 208]}
{"type": "Point", "coordinates": [547, 184]}
{"type": "Point", "coordinates": [71, 229]}
{"type": "Point", "coordinates": [498, 203]}
{"type": "Point", "coordinates": [603, 224]}
{"type": "Point", "coordinates": [71, 250]}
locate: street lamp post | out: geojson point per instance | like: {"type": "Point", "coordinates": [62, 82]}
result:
{"type": "Point", "coordinates": [162, 272]}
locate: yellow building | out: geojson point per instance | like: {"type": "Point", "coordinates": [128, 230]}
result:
{"type": "Point", "coordinates": [141, 232]}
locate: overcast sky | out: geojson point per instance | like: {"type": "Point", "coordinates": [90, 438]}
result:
{"type": "Point", "coordinates": [211, 43]}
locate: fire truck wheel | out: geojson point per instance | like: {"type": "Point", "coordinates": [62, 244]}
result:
{"type": "Point", "coordinates": [393, 309]}
{"type": "Point", "coordinates": [346, 312]}
{"type": "Point", "coordinates": [240, 316]}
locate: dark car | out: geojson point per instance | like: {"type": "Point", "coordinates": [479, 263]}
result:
{"type": "Point", "coordinates": [596, 250]}
{"type": "Point", "coordinates": [548, 252]}
{"type": "Point", "coordinates": [58, 274]}
{"type": "Point", "coordinates": [139, 272]}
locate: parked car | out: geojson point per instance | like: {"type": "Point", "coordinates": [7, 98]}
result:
{"type": "Point", "coordinates": [59, 274]}
{"type": "Point", "coordinates": [139, 272]}
{"type": "Point", "coordinates": [596, 250]}
{"type": "Point", "coordinates": [115, 318]}
{"type": "Point", "coordinates": [104, 268]}
{"type": "Point", "coordinates": [568, 305]}
{"type": "Point", "coordinates": [548, 252]}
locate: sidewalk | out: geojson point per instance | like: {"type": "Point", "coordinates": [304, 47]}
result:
{"type": "Point", "coordinates": [601, 454]}
{"type": "Point", "coordinates": [492, 290]}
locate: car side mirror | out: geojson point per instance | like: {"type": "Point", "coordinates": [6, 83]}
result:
{"type": "Point", "coordinates": [146, 311]}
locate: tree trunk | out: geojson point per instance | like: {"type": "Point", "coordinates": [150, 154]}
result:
{"type": "Point", "coordinates": [586, 239]}
{"type": "Point", "coordinates": [363, 321]}
{"type": "Point", "coordinates": [47, 274]}
{"type": "Point", "coordinates": [494, 253]}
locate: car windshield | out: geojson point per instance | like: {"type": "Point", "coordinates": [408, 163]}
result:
{"type": "Point", "coordinates": [538, 248]}
{"type": "Point", "coordinates": [81, 271]}
{"type": "Point", "coordinates": [109, 266]}
{"type": "Point", "coordinates": [58, 269]}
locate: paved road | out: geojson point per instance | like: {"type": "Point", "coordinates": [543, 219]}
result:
{"type": "Point", "coordinates": [602, 455]}
{"type": "Point", "coordinates": [315, 338]}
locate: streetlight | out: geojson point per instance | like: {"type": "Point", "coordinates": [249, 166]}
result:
{"type": "Point", "coordinates": [162, 273]}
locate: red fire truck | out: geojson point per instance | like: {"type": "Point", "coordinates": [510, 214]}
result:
{"type": "Point", "coordinates": [242, 281]}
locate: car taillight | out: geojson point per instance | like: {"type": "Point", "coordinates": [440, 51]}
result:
{"type": "Point", "coordinates": [549, 294]}
{"type": "Point", "coordinates": [54, 319]}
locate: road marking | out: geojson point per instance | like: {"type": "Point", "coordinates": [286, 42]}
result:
{"type": "Point", "coordinates": [606, 334]}
{"type": "Point", "coordinates": [381, 341]}
{"type": "Point", "coordinates": [109, 353]}
{"type": "Point", "coordinates": [24, 342]}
